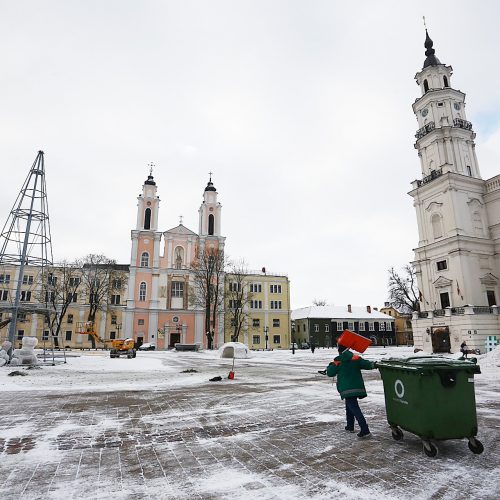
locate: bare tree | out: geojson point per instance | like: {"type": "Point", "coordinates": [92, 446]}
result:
{"type": "Point", "coordinates": [403, 291]}
{"type": "Point", "coordinates": [319, 302]}
{"type": "Point", "coordinates": [101, 279]}
{"type": "Point", "coordinates": [58, 289]}
{"type": "Point", "coordinates": [208, 269]}
{"type": "Point", "coordinates": [238, 298]}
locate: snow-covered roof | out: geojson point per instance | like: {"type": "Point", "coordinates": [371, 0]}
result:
{"type": "Point", "coordinates": [338, 312]}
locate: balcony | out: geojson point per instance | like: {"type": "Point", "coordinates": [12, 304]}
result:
{"type": "Point", "coordinates": [439, 313]}
{"type": "Point", "coordinates": [428, 178]}
{"type": "Point", "coordinates": [482, 310]}
{"type": "Point", "coordinates": [458, 122]}
{"type": "Point", "coordinates": [428, 127]}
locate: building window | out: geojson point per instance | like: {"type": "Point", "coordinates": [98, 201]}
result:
{"type": "Point", "coordinates": [327, 328]}
{"type": "Point", "coordinates": [276, 322]}
{"type": "Point", "coordinates": [492, 301]}
{"type": "Point", "coordinates": [426, 86]}
{"type": "Point", "coordinates": [211, 221]}
{"type": "Point", "coordinates": [177, 288]}
{"type": "Point", "coordinates": [276, 339]}
{"type": "Point", "coordinates": [27, 279]}
{"type": "Point", "coordinates": [51, 279]}
{"type": "Point", "coordinates": [440, 104]}
{"type": "Point", "coordinates": [147, 218]}
{"type": "Point", "coordinates": [469, 171]}
{"type": "Point", "coordinates": [25, 296]}
{"type": "Point", "coordinates": [73, 282]}
{"type": "Point", "coordinates": [4, 278]}
{"type": "Point", "coordinates": [445, 81]}
{"type": "Point", "coordinates": [350, 325]}
{"type": "Point", "coordinates": [316, 328]}
{"type": "Point", "coordinates": [112, 335]}
{"type": "Point", "coordinates": [115, 300]}
{"type": "Point", "coordinates": [20, 334]}
{"type": "Point", "coordinates": [388, 326]}
{"type": "Point", "coordinates": [45, 335]}
{"type": "Point", "coordinates": [113, 319]}
{"type": "Point", "coordinates": [256, 322]}
{"type": "Point", "coordinates": [339, 326]}
{"type": "Point", "coordinates": [381, 326]}
{"type": "Point", "coordinates": [140, 321]}
{"type": "Point", "coordinates": [477, 223]}
{"type": "Point", "coordinates": [69, 334]}
{"type": "Point", "coordinates": [116, 283]}
{"type": "Point", "coordinates": [234, 287]}
{"type": "Point", "coordinates": [275, 288]}
{"type": "Point", "coordinates": [70, 318]}
{"type": "Point", "coordinates": [275, 304]}
{"type": "Point", "coordinates": [145, 259]}
{"type": "Point", "coordinates": [441, 265]}
{"type": "Point", "coordinates": [142, 292]}
{"type": "Point", "coordinates": [4, 294]}
{"type": "Point", "coordinates": [361, 326]}
{"type": "Point", "coordinates": [256, 304]}
{"type": "Point", "coordinates": [72, 297]}
{"type": "Point", "coordinates": [445, 300]}
{"type": "Point", "coordinates": [437, 228]}
{"type": "Point", "coordinates": [371, 326]}
{"type": "Point", "coordinates": [256, 339]}
{"type": "Point", "coordinates": [255, 287]}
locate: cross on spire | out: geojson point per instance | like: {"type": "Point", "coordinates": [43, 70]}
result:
{"type": "Point", "coordinates": [151, 165]}
{"type": "Point", "coordinates": [210, 173]}
{"type": "Point", "coordinates": [180, 219]}
{"type": "Point", "coordinates": [425, 25]}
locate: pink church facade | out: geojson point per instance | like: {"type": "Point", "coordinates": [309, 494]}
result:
{"type": "Point", "coordinates": [158, 307]}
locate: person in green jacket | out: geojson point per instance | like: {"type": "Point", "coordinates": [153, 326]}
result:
{"type": "Point", "coordinates": [347, 368]}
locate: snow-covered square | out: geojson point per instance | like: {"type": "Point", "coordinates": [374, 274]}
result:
{"type": "Point", "coordinates": [151, 427]}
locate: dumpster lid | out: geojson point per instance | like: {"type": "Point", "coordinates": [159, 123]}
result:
{"type": "Point", "coordinates": [431, 363]}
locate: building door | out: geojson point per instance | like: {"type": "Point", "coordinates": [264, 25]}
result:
{"type": "Point", "coordinates": [445, 300]}
{"type": "Point", "coordinates": [441, 339]}
{"type": "Point", "coordinates": [175, 338]}
{"type": "Point", "coordinates": [140, 341]}
{"type": "Point", "coordinates": [492, 301]}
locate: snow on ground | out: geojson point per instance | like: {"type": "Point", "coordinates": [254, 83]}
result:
{"type": "Point", "coordinates": [97, 427]}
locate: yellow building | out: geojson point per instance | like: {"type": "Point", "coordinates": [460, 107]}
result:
{"type": "Point", "coordinates": [260, 304]}
{"type": "Point", "coordinates": [402, 324]}
{"type": "Point", "coordinates": [32, 320]}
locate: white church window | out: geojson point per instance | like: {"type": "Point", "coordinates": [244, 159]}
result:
{"type": "Point", "coordinates": [469, 171]}
{"type": "Point", "coordinates": [441, 265]}
{"type": "Point", "coordinates": [477, 224]}
{"type": "Point", "coordinates": [145, 259]}
{"type": "Point", "coordinates": [177, 289]}
{"type": "Point", "coordinates": [142, 292]}
{"type": "Point", "coordinates": [437, 226]}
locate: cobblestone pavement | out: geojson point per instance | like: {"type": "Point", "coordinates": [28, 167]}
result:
{"type": "Point", "coordinates": [230, 440]}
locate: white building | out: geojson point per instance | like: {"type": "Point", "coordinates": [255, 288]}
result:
{"type": "Point", "coordinates": [457, 259]}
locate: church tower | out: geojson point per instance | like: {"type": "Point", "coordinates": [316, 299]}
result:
{"type": "Point", "coordinates": [210, 212]}
{"type": "Point", "coordinates": [456, 259]}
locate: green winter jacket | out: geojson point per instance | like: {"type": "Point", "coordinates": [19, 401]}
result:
{"type": "Point", "coordinates": [347, 367]}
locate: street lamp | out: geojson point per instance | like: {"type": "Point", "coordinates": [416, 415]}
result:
{"type": "Point", "coordinates": [266, 330]}
{"type": "Point", "coordinates": [293, 337]}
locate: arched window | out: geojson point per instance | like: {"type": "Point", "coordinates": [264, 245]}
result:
{"type": "Point", "coordinates": [147, 218]}
{"type": "Point", "coordinates": [145, 259]}
{"type": "Point", "coordinates": [437, 226]}
{"type": "Point", "coordinates": [445, 81]}
{"type": "Point", "coordinates": [426, 85]}
{"type": "Point", "coordinates": [142, 292]}
{"type": "Point", "coordinates": [179, 257]}
{"type": "Point", "coordinates": [477, 224]}
{"type": "Point", "coordinates": [211, 224]}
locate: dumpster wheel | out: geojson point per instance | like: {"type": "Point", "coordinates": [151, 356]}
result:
{"type": "Point", "coordinates": [475, 446]}
{"type": "Point", "coordinates": [397, 433]}
{"type": "Point", "coordinates": [430, 449]}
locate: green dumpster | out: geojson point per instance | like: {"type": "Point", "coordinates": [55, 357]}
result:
{"type": "Point", "coordinates": [432, 397]}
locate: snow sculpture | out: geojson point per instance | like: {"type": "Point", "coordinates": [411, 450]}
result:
{"type": "Point", "coordinates": [4, 353]}
{"type": "Point", "coordinates": [234, 350]}
{"type": "Point", "coordinates": [26, 355]}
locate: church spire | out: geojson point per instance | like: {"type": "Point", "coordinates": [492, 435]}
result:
{"type": "Point", "coordinates": [431, 59]}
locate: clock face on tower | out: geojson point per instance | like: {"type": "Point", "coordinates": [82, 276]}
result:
{"type": "Point", "coordinates": [456, 105]}
{"type": "Point", "coordinates": [424, 112]}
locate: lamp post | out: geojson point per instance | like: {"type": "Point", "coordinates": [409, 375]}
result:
{"type": "Point", "coordinates": [293, 337]}
{"type": "Point", "coordinates": [266, 331]}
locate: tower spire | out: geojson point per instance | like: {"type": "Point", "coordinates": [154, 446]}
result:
{"type": "Point", "coordinates": [431, 59]}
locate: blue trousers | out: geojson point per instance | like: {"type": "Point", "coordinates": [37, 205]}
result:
{"type": "Point", "coordinates": [353, 411]}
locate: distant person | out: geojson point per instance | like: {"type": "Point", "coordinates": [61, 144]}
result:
{"type": "Point", "coordinates": [463, 349]}
{"type": "Point", "coordinates": [347, 367]}
{"type": "Point", "coordinates": [312, 347]}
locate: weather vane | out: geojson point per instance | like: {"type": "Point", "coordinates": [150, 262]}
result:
{"type": "Point", "coordinates": [425, 25]}
{"type": "Point", "coordinates": [151, 165]}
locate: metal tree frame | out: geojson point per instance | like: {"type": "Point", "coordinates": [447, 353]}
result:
{"type": "Point", "coordinates": [25, 238]}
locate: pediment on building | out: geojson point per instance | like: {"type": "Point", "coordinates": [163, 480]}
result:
{"type": "Point", "coordinates": [434, 206]}
{"type": "Point", "coordinates": [489, 279]}
{"type": "Point", "coordinates": [475, 202]}
{"type": "Point", "coordinates": [180, 229]}
{"type": "Point", "coordinates": [442, 282]}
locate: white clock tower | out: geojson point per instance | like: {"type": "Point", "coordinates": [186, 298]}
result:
{"type": "Point", "coordinates": [457, 260]}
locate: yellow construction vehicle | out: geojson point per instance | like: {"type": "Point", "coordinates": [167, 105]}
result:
{"type": "Point", "coordinates": [119, 347]}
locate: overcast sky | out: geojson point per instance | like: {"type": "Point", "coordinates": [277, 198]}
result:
{"type": "Point", "coordinates": [301, 109]}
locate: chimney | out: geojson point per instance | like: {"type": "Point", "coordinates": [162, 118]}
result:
{"type": "Point", "coordinates": [375, 308]}
{"type": "Point", "coordinates": [368, 309]}
{"type": "Point", "coordinates": [349, 308]}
